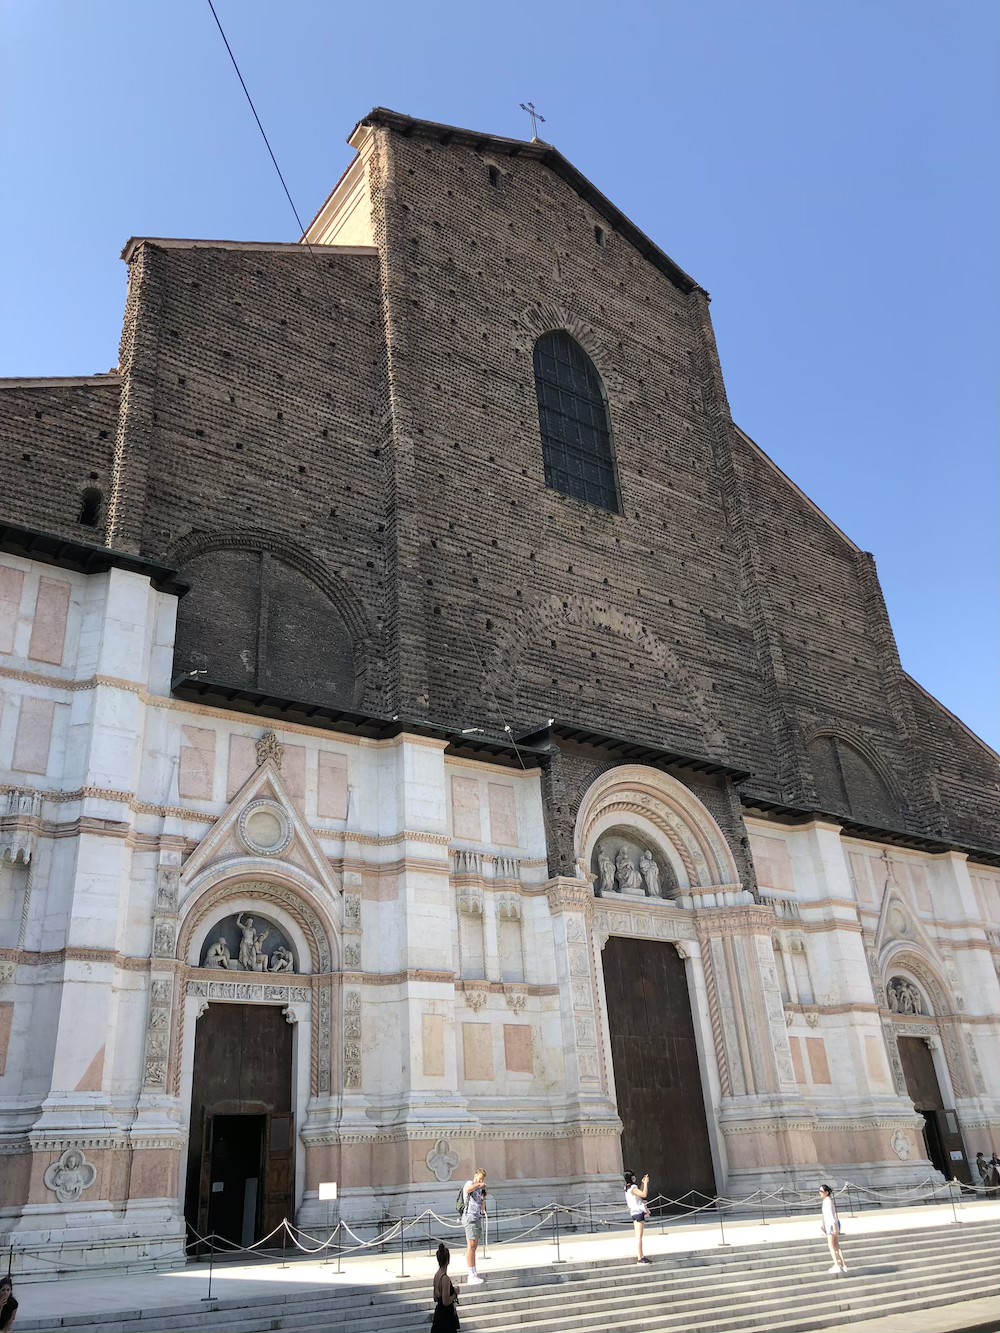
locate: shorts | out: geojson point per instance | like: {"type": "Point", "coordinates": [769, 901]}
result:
{"type": "Point", "coordinates": [474, 1229]}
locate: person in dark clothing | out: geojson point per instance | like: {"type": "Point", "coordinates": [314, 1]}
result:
{"type": "Point", "coordinates": [445, 1295]}
{"type": "Point", "coordinates": [8, 1305]}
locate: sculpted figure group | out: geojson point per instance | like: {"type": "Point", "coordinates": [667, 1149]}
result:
{"type": "Point", "coordinates": [251, 956]}
{"type": "Point", "coordinates": [622, 875]}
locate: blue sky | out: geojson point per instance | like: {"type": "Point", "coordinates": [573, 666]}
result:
{"type": "Point", "coordinates": [826, 168]}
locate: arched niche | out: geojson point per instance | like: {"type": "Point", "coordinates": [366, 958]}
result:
{"type": "Point", "coordinates": [304, 926]}
{"type": "Point", "coordinates": [850, 779]}
{"type": "Point", "coordinates": [660, 812]}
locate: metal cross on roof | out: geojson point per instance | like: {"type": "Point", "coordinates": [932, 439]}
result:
{"type": "Point", "coordinates": [535, 115]}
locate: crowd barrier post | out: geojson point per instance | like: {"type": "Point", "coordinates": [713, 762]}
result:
{"type": "Point", "coordinates": [722, 1229]}
{"type": "Point", "coordinates": [590, 1210]}
{"type": "Point", "coordinates": [284, 1243]}
{"type": "Point", "coordinates": [555, 1224]}
{"type": "Point", "coordinates": [430, 1238]}
{"type": "Point", "coordinates": [211, 1260]}
{"type": "Point", "coordinates": [402, 1248]}
{"type": "Point", "coordinates": [763, 1218]}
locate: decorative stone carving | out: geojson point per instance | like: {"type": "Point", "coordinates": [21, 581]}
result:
{"type": "Point", "coordinates": [245, 935]}
{"type": "Point", "coordinates": [507, 867]}
{"type": "Point", "coordinates": [477, 999]}
{"type": "Point", "coordinates": [264, 828]}
{"type": "Point", "coordinates": [901, 1145]}
{"type": "Point", "coordinates": [650, 873]}
{"type": "Point", "coordinates": [623, 864]}
{"type": "Point", "coordinates": [19, 821]}
{"type": "Point", "coordinates": [441, 1161]}
{"type": "Point", "coordinates": [167, 884]}
{"type": "Point", "coordinates": [903, 997]}
{"type": "Point", "coordinates": [289, 1014]}
{"type": "Point", "coordinates": [163, 940]}
{"type": "Point", "coordinates": [352, 955]}
{"type": "Point", "coordinates": [231, 990]}
{"type": "Point", "coordinates": [68, 1177]}
{"type": "Point", "coordinates": [509, 906]}
{"type": "Point", "coordinates": [470, 901]}
{"type": "Point", "coordinates": [352, 911]}
{"type": "Point", "coordinates": [516, 1000]}
{"type": "Point", "coordinates": [468, 863]}
{"type": "Point", "coordinates": [270, 750]}
{"type": "Point", "coordinates": [352, 1044]}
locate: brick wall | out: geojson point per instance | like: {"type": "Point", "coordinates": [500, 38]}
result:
{"type": "Point", "coordinates": [57, 441]}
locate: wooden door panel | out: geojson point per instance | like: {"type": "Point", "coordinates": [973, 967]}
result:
{"type": "Point", "coordinates": [657, 1076]}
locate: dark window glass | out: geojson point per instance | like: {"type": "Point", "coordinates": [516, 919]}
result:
{"type": "Point", "coordinates": [576, 434]}
{"type": "Point", "coordinates": [90, 507]}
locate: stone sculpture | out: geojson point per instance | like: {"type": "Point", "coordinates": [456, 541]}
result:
{"type": "Point", "coordinates": [650, 872]}
{"type": "Point", "coordinates": [251, 951]}
{"type": "Point", "coordinates": [903, 997]}
{"type": "Point", "coordinates": [607, 869]}
{"type": "Point", "coordinates": [280, 960]}
{"type": "Point", "coordinates": [629, 879]}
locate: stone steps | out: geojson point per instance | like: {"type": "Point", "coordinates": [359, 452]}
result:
{"type": "Point", "coordinates": [780, 1288]}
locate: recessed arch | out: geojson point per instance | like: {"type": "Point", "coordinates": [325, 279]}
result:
{"type": "Point", "coordinates": [668, 812]}
{"type": "Point", "coordinates": [850, 778]}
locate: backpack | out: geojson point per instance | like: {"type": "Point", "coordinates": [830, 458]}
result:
{"type": "Point", "coordinates": [460, 1202]}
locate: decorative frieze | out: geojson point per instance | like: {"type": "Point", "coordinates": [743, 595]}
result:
{"type": "Point", "coordinates": [352, 1040]}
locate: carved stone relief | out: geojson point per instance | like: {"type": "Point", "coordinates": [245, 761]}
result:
{"type": "Point", "coordinates": [70, 1175]}
{"type": "Point", "coordinates": [248, 943]}
{"type": "Point", "coordinates": [903, 997]}
{"type": "Point", "coordinates": [441, 1161]}
{"type": "Point", "coordinates": [622, 863]}
{"type": "Point", "coordinates": [352, 1044]}
{"type": "Point", "coordinates": [157, 1047]}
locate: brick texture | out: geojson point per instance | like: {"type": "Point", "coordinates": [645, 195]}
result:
{"type": "Point", "coordinates": [342, 451]}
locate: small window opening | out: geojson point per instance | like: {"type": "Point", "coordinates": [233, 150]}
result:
{"type": "Point", "coordinates": [599, 235]}
{"type": "Point", "coordinates": [494, 173]}
{"type": "Point", "coordinates": [90, 507]}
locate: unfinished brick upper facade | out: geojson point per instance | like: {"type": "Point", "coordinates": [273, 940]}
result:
{"type": "Point", "coordinates": [338, 444]}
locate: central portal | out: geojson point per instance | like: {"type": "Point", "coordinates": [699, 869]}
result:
{"type": "Point", "coordinates": [657, 1076]}
{"type": "Point", "coordinates": [241, 1146]}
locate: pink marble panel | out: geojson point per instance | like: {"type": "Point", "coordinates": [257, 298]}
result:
{"type": "Point", "coordinates": [465, 808]}
{"type": "Point", "coordinates": [48, 632]}
{"type": "Point", "coordinates": [477, 1048]}
{"type": "Point", "coordinates": [432, 1038]}
{"type": "Point", "coordinates": [875, 1060]}
{"type": "Point", "coordinates": [293, 775]}
{"type": "Point", "coordinates": [921, 889]}
{"type": "Point", "coordinates": [798, 1064]}
{"type": "Point", "coordinates": [861, 874]}
{"type": "Point", "coordinates": [518, 1054]}
{"type": "Point", "coordinates": [503, 814]}
{"type": "Point", "coordinates": [197, 775]}
{"type": "Point", "coordinates": [93, 1078]}
{"type": "Point", "coordinates": [34, 735]}
{"type": "Point", "coordinates": [331, 798]}
{"type": "Point", "coordinates": [818, 1064]}
{"type": "Point", "coordinates": [242, 763]}
{"type": "Point", "coordinates": [6, 1022]}
{"type": "Point", "coordinates": [11, 586]}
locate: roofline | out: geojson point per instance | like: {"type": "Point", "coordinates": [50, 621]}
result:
{"type": "Point", "coordinates": [50, 548]}
{"type": "Point", "coordinates": [551, 157]}
{"type": "Point", "coordinates": [109, 379]}
{"type": "Point", "coordinates": [954, 717]}
{"type": "Point", "coordinates": [291, 247]}
{"type": "Point", "coordinates": [783, 813]}
{"type": "Point", "coordinates": [797, 489]}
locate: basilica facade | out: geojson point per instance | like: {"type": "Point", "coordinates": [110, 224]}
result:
{"type": "Point", "coordinates": [434, 735]}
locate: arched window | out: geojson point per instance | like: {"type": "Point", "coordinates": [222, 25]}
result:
{"type": "Point", "coordinates": [90, 507]}
{"type": "Point", "coordinates": [573, 416]}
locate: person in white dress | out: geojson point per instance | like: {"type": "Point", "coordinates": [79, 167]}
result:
{"type": "Point", "coordinates": [831, 1229]}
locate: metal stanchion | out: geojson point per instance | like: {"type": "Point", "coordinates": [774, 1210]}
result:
{"type": "Point", "coordinates": [555, 1222]}
{"type": "Point", "coordinates": [590, 1210]}
{"type": "Point", "coordinates": [763, 1219]}
{"type": "Point", "coordinates": [340, 1247]}
{"type": "Point", "coordinates": [211, 1260]}
{"type": "Point", "coordinates": [486, 1235]}
{"type": "Point", "coordinates": [402, 1248]}
{"type": "Point", "coordinates": [284, 1243]}
{"type": "Point", "coordinates": [430, 1238]}
{"type": "Point", "coordinates": [850, 1196]}
{"type": "Point", "coordinates": [718, 1209]}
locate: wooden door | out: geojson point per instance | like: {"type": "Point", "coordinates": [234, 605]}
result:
{"type": "Point", "coordinates": [657, 1076]}
{"type": "Point", "coordinates": [242, 1068]}
{"type": "Point", "coordinates": [279, 1169]}
{"type": "Point", "coordinates": [942, 1137]}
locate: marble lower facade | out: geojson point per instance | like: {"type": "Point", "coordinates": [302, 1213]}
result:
{"type": "Point", "coordinates": [338, 959]}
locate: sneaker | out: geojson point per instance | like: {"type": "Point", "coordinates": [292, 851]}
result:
{"type": "Point", "coordinates": [474, 1280]}
{"type": "Point", "coordinates": [644, 1260]}
{"type": "Point", "coordinates": [835, 1269]}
